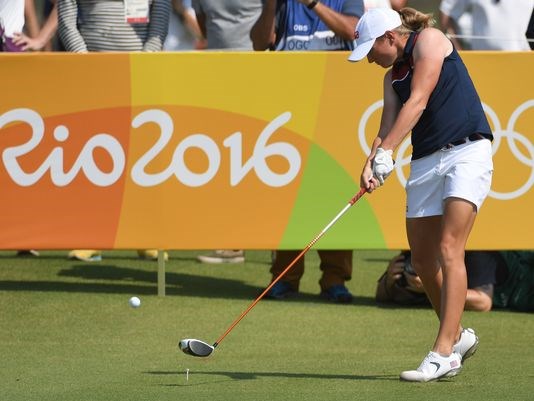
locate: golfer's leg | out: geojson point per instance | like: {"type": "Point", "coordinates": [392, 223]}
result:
{"type": "Point", "coordinates": [424, 239]}
{"type": "Point", "coordinates": [458, 218]}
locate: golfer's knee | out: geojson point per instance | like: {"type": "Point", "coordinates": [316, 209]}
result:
{"type": "Point", "coordinates": [452, 254]}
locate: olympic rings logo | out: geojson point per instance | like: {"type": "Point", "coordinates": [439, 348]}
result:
{"type": "Point", "coordinates": [507, 134]}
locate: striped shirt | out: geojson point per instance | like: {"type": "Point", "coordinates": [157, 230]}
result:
{"type": "Point", "coordinates": [100, 25]}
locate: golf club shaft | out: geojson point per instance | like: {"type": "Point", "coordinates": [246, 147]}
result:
{"type": "Point", "coordinates": [354, 199]}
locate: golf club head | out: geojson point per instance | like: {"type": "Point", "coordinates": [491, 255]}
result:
{"type": "Point", "coordinates": [194, 347]}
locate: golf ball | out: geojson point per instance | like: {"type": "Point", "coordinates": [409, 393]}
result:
{"type": "Point", "coordinates": [134, 302]}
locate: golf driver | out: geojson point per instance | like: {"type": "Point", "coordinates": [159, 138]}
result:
{"type": "Point", "coordinates": [202, 349]}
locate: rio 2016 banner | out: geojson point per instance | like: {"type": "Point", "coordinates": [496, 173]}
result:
{"type": "Point", "coordinates": [229, 150]}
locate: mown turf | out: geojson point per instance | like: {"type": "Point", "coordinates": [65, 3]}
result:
{"type": "Point", "coordinates": [67, 333]}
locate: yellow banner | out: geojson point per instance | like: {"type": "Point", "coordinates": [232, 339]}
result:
{"type": "Point", "coordinates": [229, 150]}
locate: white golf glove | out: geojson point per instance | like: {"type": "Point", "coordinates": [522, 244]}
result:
{"type": "Point", "coordinates": [382, 164]}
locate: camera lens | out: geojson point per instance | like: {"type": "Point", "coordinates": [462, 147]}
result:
{"type": "Point", "coordinates": [408, 268]}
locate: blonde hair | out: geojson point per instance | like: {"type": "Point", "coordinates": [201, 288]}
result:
{"type": "Point", "coordinates": [414, 21]}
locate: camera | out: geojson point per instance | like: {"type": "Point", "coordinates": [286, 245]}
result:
{"type": "Point", "coordinates": [408, 268]}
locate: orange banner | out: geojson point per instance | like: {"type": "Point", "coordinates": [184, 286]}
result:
{"type": "Point", "coordinates": [228, 150]}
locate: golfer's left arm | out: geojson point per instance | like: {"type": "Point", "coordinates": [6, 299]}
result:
{"type": "Point", "coordinates": [390, 111]}
{"type": "Point", "coordinates": [428, 59]}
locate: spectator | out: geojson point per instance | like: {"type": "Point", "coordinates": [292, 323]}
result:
{"type": "Point", "coordinates": [496, 25]}
{"type": "Point", "coordinates": [184, 31]}
{"type": "Point", "coordinates": [309, 25]}
{"type": "Point", "coordinates": [394, 4]}
{"type": "Point", "coordinates": [459, 31]}
{"type": "Point", "coordinates": [450, 170]}
{"type": "Point", "coordinates": [43, 37]}
{"type": "Point", "coordinates": [516, 290]}
{"type": "Point", "coordinates": [400, 284]}
{"type": "Point", "coordinates": [12, 14]}
{"type": "Point", "coordinates": [530, 31]}
{"type": "Point", "coordinates": [31, 21]}
{"type": "Point", "coordinates": [109, 25]}
{"type": "Point", "coordinates": [15, 16]}
{"type": "Point", "coordinates": [226, 26]}
{"type": "Point", "coordinates": [54, 44]}
{"type": "Point", "coordinates": [329, 25]}
{"type": "Point", "coordinates": [19, 26]}
{"type": "Point", "coordinates": [500, 279]}
{"type": "Point", "coordinates": [223, 256]}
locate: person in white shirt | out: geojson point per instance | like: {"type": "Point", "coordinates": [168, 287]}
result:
{"type": "Point", "coordinates": [496, 24]}
{"type": "Point", "coordinates": [11, 22]}
{"type": "Point", "coordinates": [184, 32]}
{"type": "Point", "coordinates": [394, 4]}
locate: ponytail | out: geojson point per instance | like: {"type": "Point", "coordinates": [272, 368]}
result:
{"type": "Point", "coordinates": [414, 21]}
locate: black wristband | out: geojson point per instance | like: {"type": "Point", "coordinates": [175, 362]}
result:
{"type": "Point", "coordinates": [312, 4]}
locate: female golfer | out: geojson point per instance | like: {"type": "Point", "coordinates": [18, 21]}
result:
{"type": "Point", "coordinates": [429, 93]}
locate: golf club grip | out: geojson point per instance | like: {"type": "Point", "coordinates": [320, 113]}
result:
{"type": "Point", "coordinates": [354, 199]}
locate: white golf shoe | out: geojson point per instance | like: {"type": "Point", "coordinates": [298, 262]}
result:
{"type": "Point", "coordinates": [467, 344]}
{"type": "Point", "coordinates": [434, 367]}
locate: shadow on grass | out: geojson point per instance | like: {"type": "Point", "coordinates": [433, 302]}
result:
{"type": "Point", "coordinates": [125, 280]}
{"type": "Point", "coordinates": [107, 278]}
{"type": "Point", "coordinates": [392, 305]}
{"type": "Point", "coordinates": [113, 255]}
{"type": "Point", "coordinates": [380, 260]}
{"type": "Point", "coordinates": [256, 375]}
{"type": "Point", "coordinates": [315, 298]}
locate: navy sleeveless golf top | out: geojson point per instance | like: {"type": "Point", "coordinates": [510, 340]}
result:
{"type": "Point", "coordinates": [454, 110]}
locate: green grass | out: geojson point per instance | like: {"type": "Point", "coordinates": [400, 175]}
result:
{"type": "Point", "coordinates": [67, 333]}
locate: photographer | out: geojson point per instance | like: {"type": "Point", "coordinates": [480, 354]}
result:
{"type": "Point", "coordinates": [485, 270]}
{"type": "Point", "coordinates": [399, 284]}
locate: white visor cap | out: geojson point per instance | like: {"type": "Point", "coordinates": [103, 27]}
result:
{"type": "Point", "coordinates": [373, 24]}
